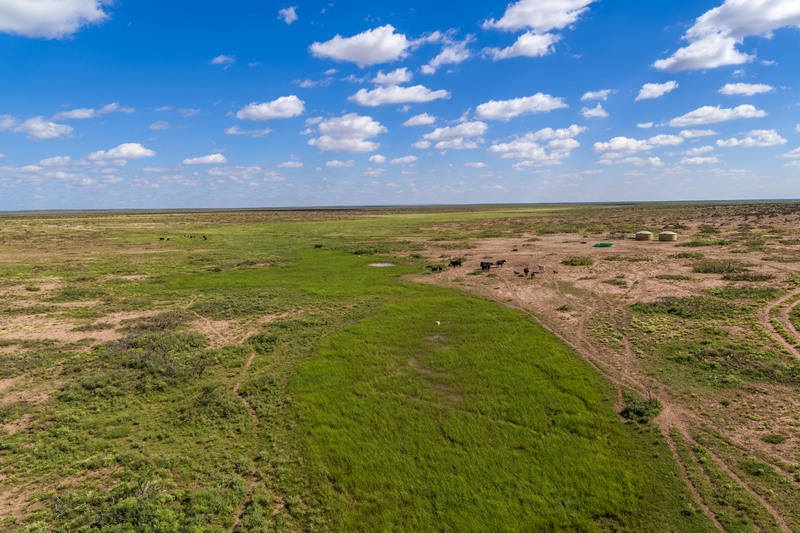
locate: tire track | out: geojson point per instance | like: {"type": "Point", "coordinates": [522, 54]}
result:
{"type": "Point", "coordinates": [764, 317]}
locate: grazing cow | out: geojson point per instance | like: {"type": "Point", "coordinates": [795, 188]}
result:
{"type": "Point", "coordinates": [517, 273]}
{"type": "Point", "coordinates": [455, 262]}
{"type": "Point", "coordinates": [205, 238]}
{"type": "Point", "coordinates": [162, 238]}
{"type": "Point", "coordinates": [486, 266]}
{"type": "Point", "coordinates": [317, 246]}
{"type": "Point", "coordinates": [515, 250]}
{"type": "Point", "coordinates": [500, 262]}
{"type": "Point", "coordinates": [526, 270]}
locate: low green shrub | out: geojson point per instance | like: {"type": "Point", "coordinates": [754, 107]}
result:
{"type": "Point", "coordinates": [718, 266]}
{"type": "Point", "coordinates": [577, 261]}
{"type": "Point", "coordinates": [638, 409]}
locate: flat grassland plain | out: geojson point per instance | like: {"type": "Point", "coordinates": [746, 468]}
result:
{"type": "Point", "coordinates": [222, 371]}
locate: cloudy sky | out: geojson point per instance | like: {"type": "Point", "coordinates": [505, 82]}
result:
{"type": "Point", "coordinates": [145, 104]}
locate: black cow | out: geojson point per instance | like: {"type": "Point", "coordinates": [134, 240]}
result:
{"type": "Point", "coordinates": [526, 270]}
{"type": "Point", "coordinates": [162, 238]}
{"type": "Point", "coordinates": [455, 262]}
{"type": "Point", "coordinates": [500, 262]}
{"type": "Point", "coordinates": [205, 238]}
{"type": "Point", "coordinates": [486, 266]}
{"type": "Point", "coordinates": [317, 246]}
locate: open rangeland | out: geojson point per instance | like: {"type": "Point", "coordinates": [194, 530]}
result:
{"type": "Point", "coordinates": [251, 371]}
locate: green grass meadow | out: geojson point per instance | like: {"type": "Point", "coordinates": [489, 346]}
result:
{"type": "Point", "coordinates": [373, 403]}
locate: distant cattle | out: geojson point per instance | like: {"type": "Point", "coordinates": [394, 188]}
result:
{"type": "Point", "coordinates": [526, 270]}
{"type": "Point", "coordinates": [455, 262]}
{"type": "Point", "coordinates": [435, 268]}
{"type": "Point", "coordinates": [515, 249]}
{"type": "Point", "coordinates": [162, 238]}
{"type": "Point", "coordinates": [486, 266]}
{"type": "Point", "coordinates": [317, 246]}
{"type": "Point", "coordinates": [205, 238]}
{"type": "Point", "coordinates": [500, 262]}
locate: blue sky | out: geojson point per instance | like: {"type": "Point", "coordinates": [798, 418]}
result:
{"type": "Point", "coordinates": [120, 104]}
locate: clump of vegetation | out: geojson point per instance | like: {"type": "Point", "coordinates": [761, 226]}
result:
{"type": "Point", "coordinates": [774, 438]}
{"type": "Point", "coordinates": [688, 255]}
{"type": "Point", "coordinates": [747, 276]}
{"type": "Point", "coordinates": [79, 293]}
{"type": "Point", "coordinates": [628, 258]}
{"type": "Point", "coordinates": [750, 293]}
{"type": "Point", "coordinates": [616, 282]}
{"type": "Point", "coordinates": [718, 266]}
{"type": "Point", "coordinates": [577, 261]}
{"type": "Point", "coordinates": [263, 343]}
{"type": "Point", "coordinates": [688, 307]}
{"type": "Point", "coordinates": [639, 409]}
{"type": "Point", "coordinates": [674, 277]}
{"type": "Point", "coordinates": [565, 308]}
{"type": "Point", "coordinates": [32, 288]}
{"type": "Point", "coordinates": [704, 242]}
{"type": "Point", "coordinates": [97, 326]}
{"type": "Point", "coordinates": [166, 321]}
{"type": "Point", "coordinates": [780, 259]}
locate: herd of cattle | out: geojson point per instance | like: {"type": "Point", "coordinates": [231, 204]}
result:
{"type": "Point", "coordinates": [486, 266]}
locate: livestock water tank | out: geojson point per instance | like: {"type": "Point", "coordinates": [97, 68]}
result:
{"type": "Point", "coordinates": [667, 236]}
{"type": "Point", "coordinates": [644, 235]}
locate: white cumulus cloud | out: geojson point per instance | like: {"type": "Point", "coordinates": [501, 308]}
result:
{"type": "Point", "coordinates": [288, 14]}
{"type": "Point", "coordinates": [395, 77]}
{"type": "Point", "coordinates": [420, 120]}
{"type": "Point", "coordinates": [236, 130]}
{"type": "Point", "coordinates": [601, 95]}
{"type": "Point", "coordinates": [406, 160]}
{"type": "Point", "coordinates": [547, 146]}
{"type": "Point", "coordinates": [692, 134]}
{"type": "Point", "coordinates": [335, 163]}
{"type": "Point", "coordinates": [394, 94]}
{"type": "Point", "coordinates": [466, 135]}
{"type": "Point", "coordinates": [710, 115]}
{"type": "Point", "coordinates": [379, 45]}
{"type": "Point", "coordinates": [211, 159]}
{"type": "Point", "coordinates": [528, 44]}
{"type": "Point", "coordinates": [377, 159]}
{"type": "Point", "coordinates": [36, 128]}
{"type": "Point", "coordinates": [223, 60]}
{"type": "Point", "coordinates": [451, 54]}
{"type": "Point", "coordinates": [656, 90]}
{"type": "Point", "coordinates": [754, 139]}
{"type": "Point", "coordinates": [476, 164]}
{"type": "Point", "coordinates": [699, 160]}
{"type": "Point", "coordinates": [594, 112]}
{"type": "Point", "coordinates": [508, 109]}
{"type": "Point", "coordinates": [348, 133]}
{"type": "Point", "coordinates": [283, 107]}
{"type": "Point", "coordinates": [746, 89]}
{"type": "Point", "coordinates": [715, 35]}
{"type": "Point", "coordinates": [87, 112]}
{"type": "Point", "coordinates": [49, 19]}
{"type": "Point", "coordinates": [123, 152]}
{"type": "Point", "coordinates": [700, 150]}
{"type": "Point", "coordinates": [540, 16]}
{"type": "Point", "coordinates": [291, 164]}
{"type": "Point", "coordinates": [622, 146]}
